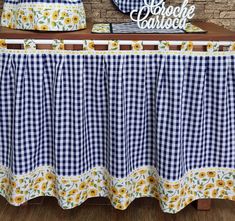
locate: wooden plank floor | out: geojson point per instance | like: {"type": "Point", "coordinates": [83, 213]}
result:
{"type": "Point", "coordinates": [101, 210]}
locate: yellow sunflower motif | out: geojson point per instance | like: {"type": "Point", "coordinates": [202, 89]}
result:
{"type": "Point", "coordinates": [3, 15]}
{"type": "Point", "coordinates": [50, 176]}
{"type": "Point", "coordinates": [138, 189]}
{"type": "Point", "coordinates": [200, 187]}
{"type": "Point", "coordinates": [77, 198]}
{"type": "Point", "coordinates": [55, 192]}
{"type": "Point", "coordinates": [210, 186]}
{"type": "Point", "coordinates": [151, 179]}
{"type": "Point", "coordinates": [206, 193]}
{"type": "Point", "coordinates": [44, 187]}
{"type": "Point", "coordinates": [211, 174]}
{"type": "Point", "coordinates": [61, 47]}
{"type": "Point", "coordinates": [140, 183]}
{"type": "Point", "coordinates": [137, 46]}
{"type": "Point", "coordinates": [190, 46]}
{"type": "Point", "coordinates": [91, 45]}
{"type": "Point", "coordinates": [171, 206]}
{"type": "Point", "coordinates": [13, 184]}
{"type": "Point", "coordinates": [64, 181]}
{"type": "Point", "coordinates": [39, 180]}
{"type": "Point", "coordinates": [4, 180]}
{"type": "Point", "coordinates": [220, 183]}
{"type": "Point", "coordinates": [31, 17]}
{"type": "Point", "coordinates": [46, 13]}
{"type": "Point", "coordinates": [167, 186]}
{"type": "Point", "coordinates": [92, 192]}
{"type": "Point", "coordinates": [36, 187]}
{"type": "Point", "coordinates": [75, 19]}
{"type": "Point", "coordinates": [114, 190]}
{"type": "Point", "coordinates": [62, 193]}
{"type": "Point", "coordinates": [19, 199]}
{"type": "Point", "coordinates": [18, 191]}
{"type": "Point", "coordinates": [24, 19]}
{"type": "Point", "coordinates": [44, 27]}
{"type": "Point", "coordinates": [122, 190]}
{"type": "Point", "coordinates": [156, 195]}
{"type": "Point", "coordinates": [182, 192]}
{"type": "Point", "coordinates": [3, 45]}
{"type": "Point", "coordinates": [55, 15]}
{"type": "Point", "coordinates": [73, 191]}
{"type": "Point", "coordinates": [223, 192]}
{"type": "Point", "coordinates": [174, 198]}
{"type": "Point", "coordinates": [120, 206]}
{"type": "Point", "coordinates": [226, 197]}
{"type": "Point", "coordinates": [145, 190]}
{"type": "Point", "coordinates": [202, 174]}
{"type": "Point", "coordinates": [229, 183]}
{"type": "Point", "coordinates": [214, 193]}
{"type": "Point", "coordinates": [176, 186]}
{"type": "Point", "coordinates": [82, 186]}
{"type": "Point", "coordinates": [114, 44]}
{"type": "Point", "coordinates": [209, 46]}
{"type": "Point", "coordinates": [165, 198]}
{"type": "Point", "coordinates": [64, 14]}
{"type": "Point", "coordinates": [67, 21]}
{"type": "Point", "coordinates": [8, 15]}
{"type": "Point", "coordinates": [70, 199]}
{"type": "Point", "coordinates": [189, 200]}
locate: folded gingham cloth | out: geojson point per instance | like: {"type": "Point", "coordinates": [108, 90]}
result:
{"type": "Point", "coordinates": [127, 6]}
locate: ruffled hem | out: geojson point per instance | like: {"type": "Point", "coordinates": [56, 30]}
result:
{"type": "Point", "coordinates": [72, 191]}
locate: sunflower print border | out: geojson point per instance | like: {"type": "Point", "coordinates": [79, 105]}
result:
{"type": "Point", "coordinates": [44, 16]}
{"type": "Point", "coordinates": [143, 182]}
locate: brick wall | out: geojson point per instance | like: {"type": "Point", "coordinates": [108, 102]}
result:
{"type": "Point", "coordinates": [221, 12]}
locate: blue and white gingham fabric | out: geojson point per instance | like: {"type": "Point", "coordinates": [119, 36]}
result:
{"type": "Point", "coordinates": [119, 111]}
{"type": "Point", "coordinates": [127, 6]}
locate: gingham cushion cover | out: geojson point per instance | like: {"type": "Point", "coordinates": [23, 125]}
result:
{"type": "Point", "coordinates": [75, 112]}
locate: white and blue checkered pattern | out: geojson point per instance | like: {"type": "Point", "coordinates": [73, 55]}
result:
{"type": "Point", "coordinates": [127, 6]}
{"type": "Point", "coordinates": [76, 111]}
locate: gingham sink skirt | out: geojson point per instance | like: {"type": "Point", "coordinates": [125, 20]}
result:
{"type": "Point", "coordinates": [122, 125]}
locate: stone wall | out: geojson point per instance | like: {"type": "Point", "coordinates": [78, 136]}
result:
{"type": "Point", "coordinates": [221, 12]}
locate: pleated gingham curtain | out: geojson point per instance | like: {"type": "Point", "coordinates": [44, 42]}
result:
{"type": "Point", "coordinates": [123, 125]}
{"type": "Point", "coordinates": [44, 15]}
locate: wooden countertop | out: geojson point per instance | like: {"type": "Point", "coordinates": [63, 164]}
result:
{"type": "Point", "coordinates": [214, 33]}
